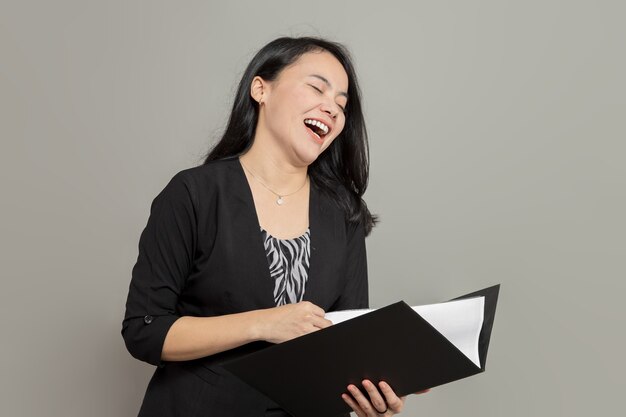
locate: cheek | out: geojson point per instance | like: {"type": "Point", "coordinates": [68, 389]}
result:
{"type": "Point", "coordinates": [285, 101]}
{"type": "Point", "coordinates": [299, 97]}
{"type": "Point", "coordinates": [340, 125]}
{"type": "Point", "coordinates": [296, 105]}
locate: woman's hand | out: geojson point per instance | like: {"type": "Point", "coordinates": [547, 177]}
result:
{"type": "Point", "coordinates": [375, 405]}
{"type": "Point", "coordinates": [289, 321]}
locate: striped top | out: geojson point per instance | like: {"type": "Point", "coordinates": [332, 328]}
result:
{"type": "Point", "coordinates": [288, 261]}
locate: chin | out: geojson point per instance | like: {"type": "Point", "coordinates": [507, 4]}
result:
{"type": "Point", "coordinates": [308, 155]}
{"type": "Point", "coordinates": [308, 159]}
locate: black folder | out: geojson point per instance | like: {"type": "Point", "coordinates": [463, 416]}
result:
{"type": "Point", "coordinates": [307, 375]}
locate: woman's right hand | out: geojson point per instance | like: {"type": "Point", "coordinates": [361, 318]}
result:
{"type": "Point", "coordinates": [289, 321]}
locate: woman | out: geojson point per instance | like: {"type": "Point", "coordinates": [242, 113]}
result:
{"type": "Point", "coordinates": [257, 243]}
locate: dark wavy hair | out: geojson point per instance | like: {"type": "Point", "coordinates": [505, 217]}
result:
{"type": "Point", "coordinates": [342, 170]}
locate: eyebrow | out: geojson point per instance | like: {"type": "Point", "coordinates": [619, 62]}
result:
{"type": "Point", "coordinates": [341, 93]}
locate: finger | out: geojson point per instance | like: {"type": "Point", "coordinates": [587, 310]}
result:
{"type": "Point", "coordinates": [353, 405]}
{"type": "Point", "coordinates": [318, 311]}
{"type": "Point", "coordinates": [312, 308]}
{"type": "Point", "coordinates": [321, 322]}
{"type": "Point", "coordinates": [393, 401]}
{"type": "Point", "coordinates": [310, 329]}
{"type": "Point", "coordinates": [363, 402]}
{"type": "Point", "coordinates": [375, 398]}
{"type": "Point", "coordinates": [422, 392]}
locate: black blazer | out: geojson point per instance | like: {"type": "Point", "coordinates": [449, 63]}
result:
{"type": "Point", "coordinates": [201, 254]}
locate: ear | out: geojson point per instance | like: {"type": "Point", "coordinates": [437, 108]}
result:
{"type": "Point", "coordinates": [258, 88]}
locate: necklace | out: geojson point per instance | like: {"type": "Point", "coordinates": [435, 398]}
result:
{"type": "Point", "coordinates": [279, 200]}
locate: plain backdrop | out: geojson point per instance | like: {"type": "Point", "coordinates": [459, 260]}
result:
{"type": "Point", "coordinates": [497, 156]}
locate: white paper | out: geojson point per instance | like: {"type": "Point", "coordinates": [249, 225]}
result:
{"type": "Point", "coordinates": [459, 321]}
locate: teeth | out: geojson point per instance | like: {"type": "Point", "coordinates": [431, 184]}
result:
{"type": "Point", "coordinates": [318, 124]}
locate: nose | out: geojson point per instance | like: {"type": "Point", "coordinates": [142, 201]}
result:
{"type": "Point", "coordinates": [331, 109]}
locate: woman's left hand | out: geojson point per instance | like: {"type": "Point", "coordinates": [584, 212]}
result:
{"type": "Point", "coordinates": [375, 405]}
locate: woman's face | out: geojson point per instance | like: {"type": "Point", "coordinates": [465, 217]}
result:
{"type": "Point", "coordinates": [301, 111]}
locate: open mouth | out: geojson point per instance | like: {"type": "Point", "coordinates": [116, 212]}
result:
{"type": "Point", "coordinates": [318, 128]}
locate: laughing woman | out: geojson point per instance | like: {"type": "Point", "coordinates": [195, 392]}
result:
{"type": "Point", "coordinates": [256, 244]}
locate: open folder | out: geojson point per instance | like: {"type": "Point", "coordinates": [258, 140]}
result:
{"type": "Point", "coordinates": [410, 348]}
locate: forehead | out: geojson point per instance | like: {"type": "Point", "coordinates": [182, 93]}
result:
{"type": "Point", "coordinates": [321, 63]}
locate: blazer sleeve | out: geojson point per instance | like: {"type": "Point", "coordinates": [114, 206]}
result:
{"type": "Point", "coordinates": [166, 249]}
{"type": "Point", "coordinates": [355, 293]}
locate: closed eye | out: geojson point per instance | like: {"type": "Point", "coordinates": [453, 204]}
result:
{"type": "Point", "coordinates": [343, 109]}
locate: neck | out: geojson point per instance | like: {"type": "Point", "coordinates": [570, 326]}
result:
{"type": "Point", "coordinates": [273, 168]}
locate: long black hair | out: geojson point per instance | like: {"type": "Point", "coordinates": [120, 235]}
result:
{"type": "Point", "coordinates": [342, 170]}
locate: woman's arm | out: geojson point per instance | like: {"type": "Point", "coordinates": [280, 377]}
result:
{"type": "Point", "coordinates": [195, 337]}
{"type": "Point", "coordinates": [166, 248]}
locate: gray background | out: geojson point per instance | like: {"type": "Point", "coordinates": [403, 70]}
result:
{"type": "Point", "coordinates": [497, 156]}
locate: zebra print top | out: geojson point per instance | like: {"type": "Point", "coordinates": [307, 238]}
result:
{"type": "Point", "coordinates": [288, 261]}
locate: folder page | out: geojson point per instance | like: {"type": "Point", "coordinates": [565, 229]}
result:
{"type": "Point", "coordinates": [459, 321]}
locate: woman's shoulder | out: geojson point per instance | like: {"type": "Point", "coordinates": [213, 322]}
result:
{"type": "Point", "coordinates": [212, 173]}
{"type": "Point", "coordinates": [203, 182]}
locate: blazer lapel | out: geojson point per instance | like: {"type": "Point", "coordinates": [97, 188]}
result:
{"type": "Point", "coordinates": [249, 229]}
{"type": "Point", "coordinates": [326, 231]}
